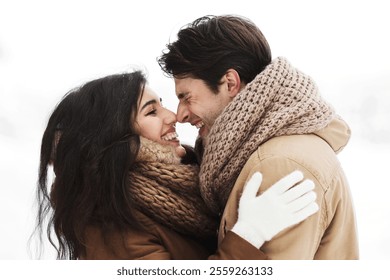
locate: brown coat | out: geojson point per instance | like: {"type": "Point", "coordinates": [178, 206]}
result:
{"type": "Point", "coordinates": [158, 242]}
{"type": "Point", "coordinates": [329, 234]}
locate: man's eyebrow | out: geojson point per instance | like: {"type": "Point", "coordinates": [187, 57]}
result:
{"type": "Point", "coordinates": [152, 101]}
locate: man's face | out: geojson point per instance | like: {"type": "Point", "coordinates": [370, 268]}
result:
{"type": "Point", "coordinates": [198, 105]}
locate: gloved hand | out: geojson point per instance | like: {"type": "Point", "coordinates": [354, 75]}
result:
{"type": "Point", "coordinates": [260, 218]}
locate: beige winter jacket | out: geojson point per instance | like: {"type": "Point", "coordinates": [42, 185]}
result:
{"type": "Point", "coordinates": [157, 242]}
{"type": "Point", "coordinates": [329, 234]}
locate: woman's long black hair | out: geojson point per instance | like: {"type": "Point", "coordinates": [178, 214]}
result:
{"type": "Point", "coordinates": [91, 143]}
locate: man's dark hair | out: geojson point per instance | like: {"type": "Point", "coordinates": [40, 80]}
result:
{"type": "Point", "coordinates": [206, 48]}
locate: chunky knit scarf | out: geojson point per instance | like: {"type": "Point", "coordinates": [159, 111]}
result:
{"type": "Point", "coordinates": [168, 191]}
{"type": "Point", "coordinates": [281, 100]}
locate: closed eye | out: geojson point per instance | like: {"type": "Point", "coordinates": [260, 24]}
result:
{"type": "Point", "coordinates": [152, 112]}
{"type": "Point", "coordinates": [185, 98]}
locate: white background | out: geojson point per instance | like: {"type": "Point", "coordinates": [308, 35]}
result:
{"type": "Point", "coordinates": [49, 47]}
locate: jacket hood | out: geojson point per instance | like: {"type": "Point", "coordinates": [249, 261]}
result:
{"type": "Point", "coordinates": [337, 134]}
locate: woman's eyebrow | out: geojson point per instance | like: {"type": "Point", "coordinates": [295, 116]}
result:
{"type": "Point", "coordinates": [153, 101]}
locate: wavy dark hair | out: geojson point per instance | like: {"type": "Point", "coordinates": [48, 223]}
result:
{"type": "Point", "coordinates": [91, 143]}
{"type": "Point", "coordinates": [206, 48]}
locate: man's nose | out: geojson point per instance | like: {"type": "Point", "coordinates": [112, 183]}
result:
{"type": "Point", "coordinates": [183, 114]}
{"type": "Point", "coordinates": [170, 117]}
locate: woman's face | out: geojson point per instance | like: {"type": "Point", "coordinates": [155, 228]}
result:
{"type": "Point", "coordinates": [155, 122]}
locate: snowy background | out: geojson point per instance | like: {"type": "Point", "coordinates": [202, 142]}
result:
{"type": "Point", "coordinates": [49, 47]}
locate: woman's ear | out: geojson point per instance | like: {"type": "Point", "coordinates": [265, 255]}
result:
{"type": "Point", "coordinates": [232, 78]}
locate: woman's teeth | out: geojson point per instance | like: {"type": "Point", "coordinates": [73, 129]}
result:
{"type": "Point", "coordinates": [170, 136]}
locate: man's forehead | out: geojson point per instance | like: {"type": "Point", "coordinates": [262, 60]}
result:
{"type": "Point", "coordinates": [182, 87]}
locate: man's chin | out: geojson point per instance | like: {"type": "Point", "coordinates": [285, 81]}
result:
{"type": "Point", "coordinates": [203, 132]}
{"type": "Point", "coordinates": [202, 139]}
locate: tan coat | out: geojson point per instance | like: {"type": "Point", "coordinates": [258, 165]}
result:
{"type": "Point", "coordinates": [329, 234]}
{"type": "Point", "coordinates": [158, 242]}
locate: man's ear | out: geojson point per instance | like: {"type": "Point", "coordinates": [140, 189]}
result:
{"type": "Point", "coordinates": [233, 81]}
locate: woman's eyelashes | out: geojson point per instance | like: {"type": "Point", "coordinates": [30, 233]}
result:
{"type": "Point", "coordinates": [152, 109]}
{"type": "Point", "coordinates": [151, 112]}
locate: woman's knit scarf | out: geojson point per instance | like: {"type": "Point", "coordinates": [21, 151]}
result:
{"type": "Point", "coordinates": [281, 100]}
{"type": "Point", "coordinates": [168, 191]}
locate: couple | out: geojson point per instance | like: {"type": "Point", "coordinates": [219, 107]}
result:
{"type": "Point", "coordinates": [125, 188]}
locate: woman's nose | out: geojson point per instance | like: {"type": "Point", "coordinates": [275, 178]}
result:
{"type": "Point", "coordinates": [170, 117]}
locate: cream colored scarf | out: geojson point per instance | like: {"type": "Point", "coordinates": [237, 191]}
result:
{"type": "Point", "coordinates": [281, 100]}
{"type": "Point", "coordinates": [168, 191]}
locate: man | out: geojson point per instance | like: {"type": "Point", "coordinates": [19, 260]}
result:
{"type": "Point", "coordinates": [258, 114]}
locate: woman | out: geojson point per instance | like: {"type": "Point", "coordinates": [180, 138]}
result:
{"type": "Point", "coordinates": [125, 188]}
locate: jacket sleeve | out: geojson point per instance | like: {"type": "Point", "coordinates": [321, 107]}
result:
{"type": "Point", "coordinates": [160, 243]}
{"type": "Point", "coordinates": [233, 247]}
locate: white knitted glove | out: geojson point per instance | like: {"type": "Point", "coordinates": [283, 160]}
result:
{"type": "Point", "coordinates": [260, 218]}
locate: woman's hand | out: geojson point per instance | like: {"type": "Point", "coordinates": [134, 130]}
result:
{"type": "Point", "coordinates": [286, 203]}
